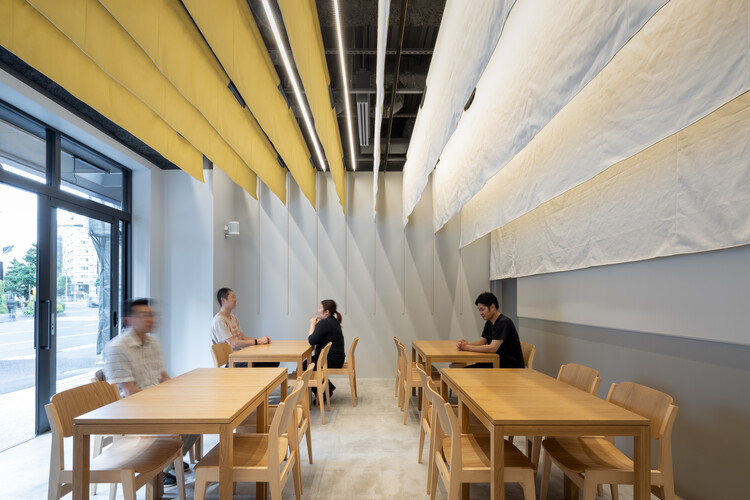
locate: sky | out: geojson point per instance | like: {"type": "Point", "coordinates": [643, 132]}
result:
{"type": "Point", "coordinates": [17, 222]}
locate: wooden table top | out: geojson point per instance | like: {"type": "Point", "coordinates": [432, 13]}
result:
{"type": "Point", "coordinates": [205, 395]}
{"type": "Point", "coordinates": [277, 350]}
{"type": "Point", "coordinates": [447, 349]}
{"type": "Point", "coordinates": [520, 396]}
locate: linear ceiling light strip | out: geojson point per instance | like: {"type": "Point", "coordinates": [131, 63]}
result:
{"type": "Point", "coordinates": [689, 60]}
{"type": "Point", "coordinates": [303, 30]}
{"type": "Point", "coordinates": [88, 24]}
{"type": "Point", "coordinates": [685, 194]}
{"type": "Point", "coordinates": [468, 33]}
{"type": "Point", "coordinates": [384, 8]}
{"type": "Point", "coordinates": [57, 57]}
{"type": "Point", "coordinates": [230, 29]}
{"type": "Point", "coordinates": [344, 83]}
{"type": "Point", "coordinates": [547, 53]}
{"type": "Point", "coordinates": [165, 31]}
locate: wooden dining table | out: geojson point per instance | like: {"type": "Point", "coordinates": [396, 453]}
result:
{"type": "Point", "coordinates": [293, 351]}
{"type": "Point", "coordinates": [525, 402]}
{"type": "Point", "coordinates": [202, 401]}
{"type": "Point", "coordinates": [444, 351]}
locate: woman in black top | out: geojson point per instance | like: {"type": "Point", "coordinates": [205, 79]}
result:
{"type": "Point", "coordinates": [325, 328]}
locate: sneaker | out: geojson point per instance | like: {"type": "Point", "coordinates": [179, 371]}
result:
{"type": "Point", "coordinates": [185, 466]}
{"type": "Point", "coordinates": [169, 479]}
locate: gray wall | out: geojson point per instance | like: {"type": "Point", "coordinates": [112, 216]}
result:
{"type": "Point", "coordinates": [709, 380]}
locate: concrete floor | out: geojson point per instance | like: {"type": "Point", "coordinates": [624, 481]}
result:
{"type": "Point", "coordinates": [362, 452]}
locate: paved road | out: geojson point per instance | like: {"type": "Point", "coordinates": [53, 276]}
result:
{"type": "Point", "coordinates": [76, 346]}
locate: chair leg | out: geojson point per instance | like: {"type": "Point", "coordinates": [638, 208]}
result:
{"type": "Point", "coordinates": [536, 449]}
{"type": "Point", "coordinates": [421, 442]}
{"type": "Point", "coordinates": [308, 436]}
{"type": "Point", "coordinates": [356, 394]}
{"type": "Point", "coordinates": [127, 478]}
{"type": "Point", "coordinates": [322, 406]}
{"type": "Point", "coordinates": [112, 491]}
{"type": "Point", "coordinates": [433, 479]}
{"type": "Point", "coordinates": [589, 490]}
{"type": "Point", "coordinates": [54, 490]}
{"type": "Point", "coordinates": [353, 389]}
{"type": "Point", "coordinates": [616, 494]}
{"type": "Point", "coordinates": [406, 404]}
{"type": "Point", "coordinates": [96, 450]}
{"type": "Point", "coordinates": [275, 486]}
{"type": "Point", "coordinates": [180, 475]}
{"type": "Point", "coordinates": [546, 470]}
{"type": "Point", "coordinates": [297, 478]}
{"type": "Point", "coordinates": [529, 487]}
{"type": "Point", "coordinates": [454, 489]}
{"type": "Point", "coordinates": [200, 484]}
{"type": "Point", "coordinates": [431, 458]}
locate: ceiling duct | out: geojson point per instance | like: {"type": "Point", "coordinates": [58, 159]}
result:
{"type": "Point", "coordinates": [361, 80]}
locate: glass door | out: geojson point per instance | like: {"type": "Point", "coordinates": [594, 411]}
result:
{"type": "Point", "coordinates": [18, 290]}
{"type": "Point", "coordinates": [84, 296]}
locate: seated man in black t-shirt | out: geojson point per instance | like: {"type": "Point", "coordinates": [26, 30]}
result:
{"type": "Point", "coordinates": [499, 335]}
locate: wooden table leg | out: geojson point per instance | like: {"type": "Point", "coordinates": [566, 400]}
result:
{"type": "Point", "coordinates": [497, 461]}
{"type": "Point", "coordinates": [226, 463]}
{"type": "Point", "coordinates": [284, 389]}
{"type": "Point", "coordinates": [642, 464]}
{"type": "Point", "coordinates": [81, 465]}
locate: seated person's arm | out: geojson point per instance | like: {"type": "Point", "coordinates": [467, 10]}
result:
{"type": "Point", "coordinates": [127, 388]}
{"type": "Point", "coordinates": [482, 346]}
{"type": "Point", "coordinates": [118, 370]}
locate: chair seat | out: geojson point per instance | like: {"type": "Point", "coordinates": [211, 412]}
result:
{"type": "Point", "coordinates": [587, 454]}
{"type": "Point", "coordinates": [141, 453]}
{"type": "Point", "coordinates": [341, 370]}
{"type": "Point", "coordinates": [250, 452]}
{"type": "Point", "coordinates": [475, 453]}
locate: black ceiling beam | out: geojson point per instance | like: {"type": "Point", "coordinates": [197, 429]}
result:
{"type": "Point", "coordinates": [394, 88]}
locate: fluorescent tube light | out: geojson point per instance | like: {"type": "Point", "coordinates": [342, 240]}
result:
{"type": "Point", "coordinates": [346, 85]}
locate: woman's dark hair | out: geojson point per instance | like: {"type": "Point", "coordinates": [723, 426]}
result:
{"type": "Point", "coordinates": [330, 306]}
{"type": "Point", "coordinates": [487, 299]}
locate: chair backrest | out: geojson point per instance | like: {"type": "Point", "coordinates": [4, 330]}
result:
{"type": "Point", "coordinates": [426, 382]}
{"type": "Point", "coordinates": [305, 378]}
{"type": "Point", "coordinates": [350, 356]}
{"type": "Point", "coordinates": [220, 352]}
{"type": "Point", "coordinates": [282, 423]}
{"type": "Point", "coordinates": [446, 422]}
{"type": "Point", "coordinates": [404, 359]}
{"type": "Point", "coordinates": [398, 354]}
{"type": "Point", "coordinates": [67, 405]}
{"type": "Point", "coordinates": [528, 354]}
{"type": "Point", "coordinates": [323, 362]}
{"type": "Point", "coordinates": [579, 376]}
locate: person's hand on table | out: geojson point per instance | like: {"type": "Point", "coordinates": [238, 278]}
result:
{"type": "Point", "coordinates": [264, 340]}
{"type": "Point", "coordinates": [460, 344]}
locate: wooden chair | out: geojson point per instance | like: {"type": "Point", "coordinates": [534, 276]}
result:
{"type": "Point", "coordinates": [409, 380]}
{"type": "Point", "coordinates": [220, 353]}
{"type": "Point", "coordinates": [398, 370]}
{"type": "Point", "coordinates": [100, 442]}
{"type": "Point", "coordinates": [302, 414]}
{"type": "Point", "coordinates": [579, 376]}
{"type": "Point", "coordinates": [349, 369]}
{"type": "Point", "coordinates": [529, 350]}
{"type": "Point", "coordinates": [131, 460]}
{"type": "Point", "coordinates": [319, 379]}
{"type": "Point", "coordinates": [464, 458]}
{"type": "Point", "coordinates": [269, 458]}
{"type": "Point", "coordinates": [590, 461]}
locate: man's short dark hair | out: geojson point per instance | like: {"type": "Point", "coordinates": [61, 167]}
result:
{"type": "Point", "coordinates": [129, 305]}
{"type": "Point", "coordinates": [223, 293]}
{"type": "Point", "coordinates": [486, 299]}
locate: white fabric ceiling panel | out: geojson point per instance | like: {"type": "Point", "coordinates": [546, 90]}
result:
{"type": "Point", "coordinates": [468, 34]}
{"type": "Point", "coordinates": [688, 193]}
{"type": "Point", "coordinates": [686, 62]}
{"type": "Point", "coordinates": [384, 8]}
{"type": "Point", "coordinates": [548, 52]}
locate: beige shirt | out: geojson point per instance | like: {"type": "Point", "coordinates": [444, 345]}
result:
{"type": "Point", "coordinates": [127, 360]}
{"type": "Point", "coordinates": [223, 328]}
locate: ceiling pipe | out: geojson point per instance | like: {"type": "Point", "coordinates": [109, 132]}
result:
{"type": "Point", "coordinates": [402, 27]}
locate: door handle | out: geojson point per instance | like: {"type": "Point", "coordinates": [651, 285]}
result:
{"type": "Point", "coordinates": [45, 323]}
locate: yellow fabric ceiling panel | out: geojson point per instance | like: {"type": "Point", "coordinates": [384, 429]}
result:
{"type": "Point", "coordinates": [31, 37]}
{"type": "Point", "coordinates": [303, 30]}
{"type": "Point", "coordinates": [100, 36]}
{"type": "Point", "coordinates": [165, 31]}
{"type": "Point", "coordinates": [230, 29]}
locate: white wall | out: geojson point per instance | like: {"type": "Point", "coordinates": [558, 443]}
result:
{"type": "Point", "coordinates": [386, 280]}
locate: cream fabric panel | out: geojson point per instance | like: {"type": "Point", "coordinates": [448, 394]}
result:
{"type": "Point", "coordinates": [167, 34]}
{"type": "Point", "coordinates": [34, 39]}
{"type": "Point", "coordinates": [686, 194]}
{"type": "Point", "coordinates": [384, 9]}
{"type": "Point", "coordinates": [101, 37]}
{"type": "Point", "coordinates": [230, 29]}
{"type": "Point", "coordinates": [467, 37]}
{"type": "Point", "coordinates": [548, 52]}
{"type": "Point", "coordinates": [685, 63]}
{"type": "Point", "coordinates": [303, 30]}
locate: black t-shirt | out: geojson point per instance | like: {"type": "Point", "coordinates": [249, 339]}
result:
{"type": "Point", "coordinates": [511, 355]}
{"type": "Point", "coordinates": [328, 330]}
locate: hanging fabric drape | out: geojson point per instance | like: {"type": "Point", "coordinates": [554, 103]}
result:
{"type": "Point", "coordinates": [691, 58]}
{"type": "Point", "coordinates": [547, 53]}
{"type": "Point", "coordinates": [685, 194]}
{"type": "Point", "coordinates": [303, 30]}
{"type": "Point", "coordinates": [53, 54]}
{"type": "Point", "coordinates": [384, 9]}
{"type": "Point", "coordinates": [165, 31]}
{"type": "Point", "coordinates": [229, 28]}
{"type": "Point", "coordinates": [467, 37]}
{"type": "Point", "coordinates": [88, 24]}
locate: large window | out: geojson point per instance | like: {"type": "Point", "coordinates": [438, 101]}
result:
{"type": "Point", "coordinates": [64, 232]}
